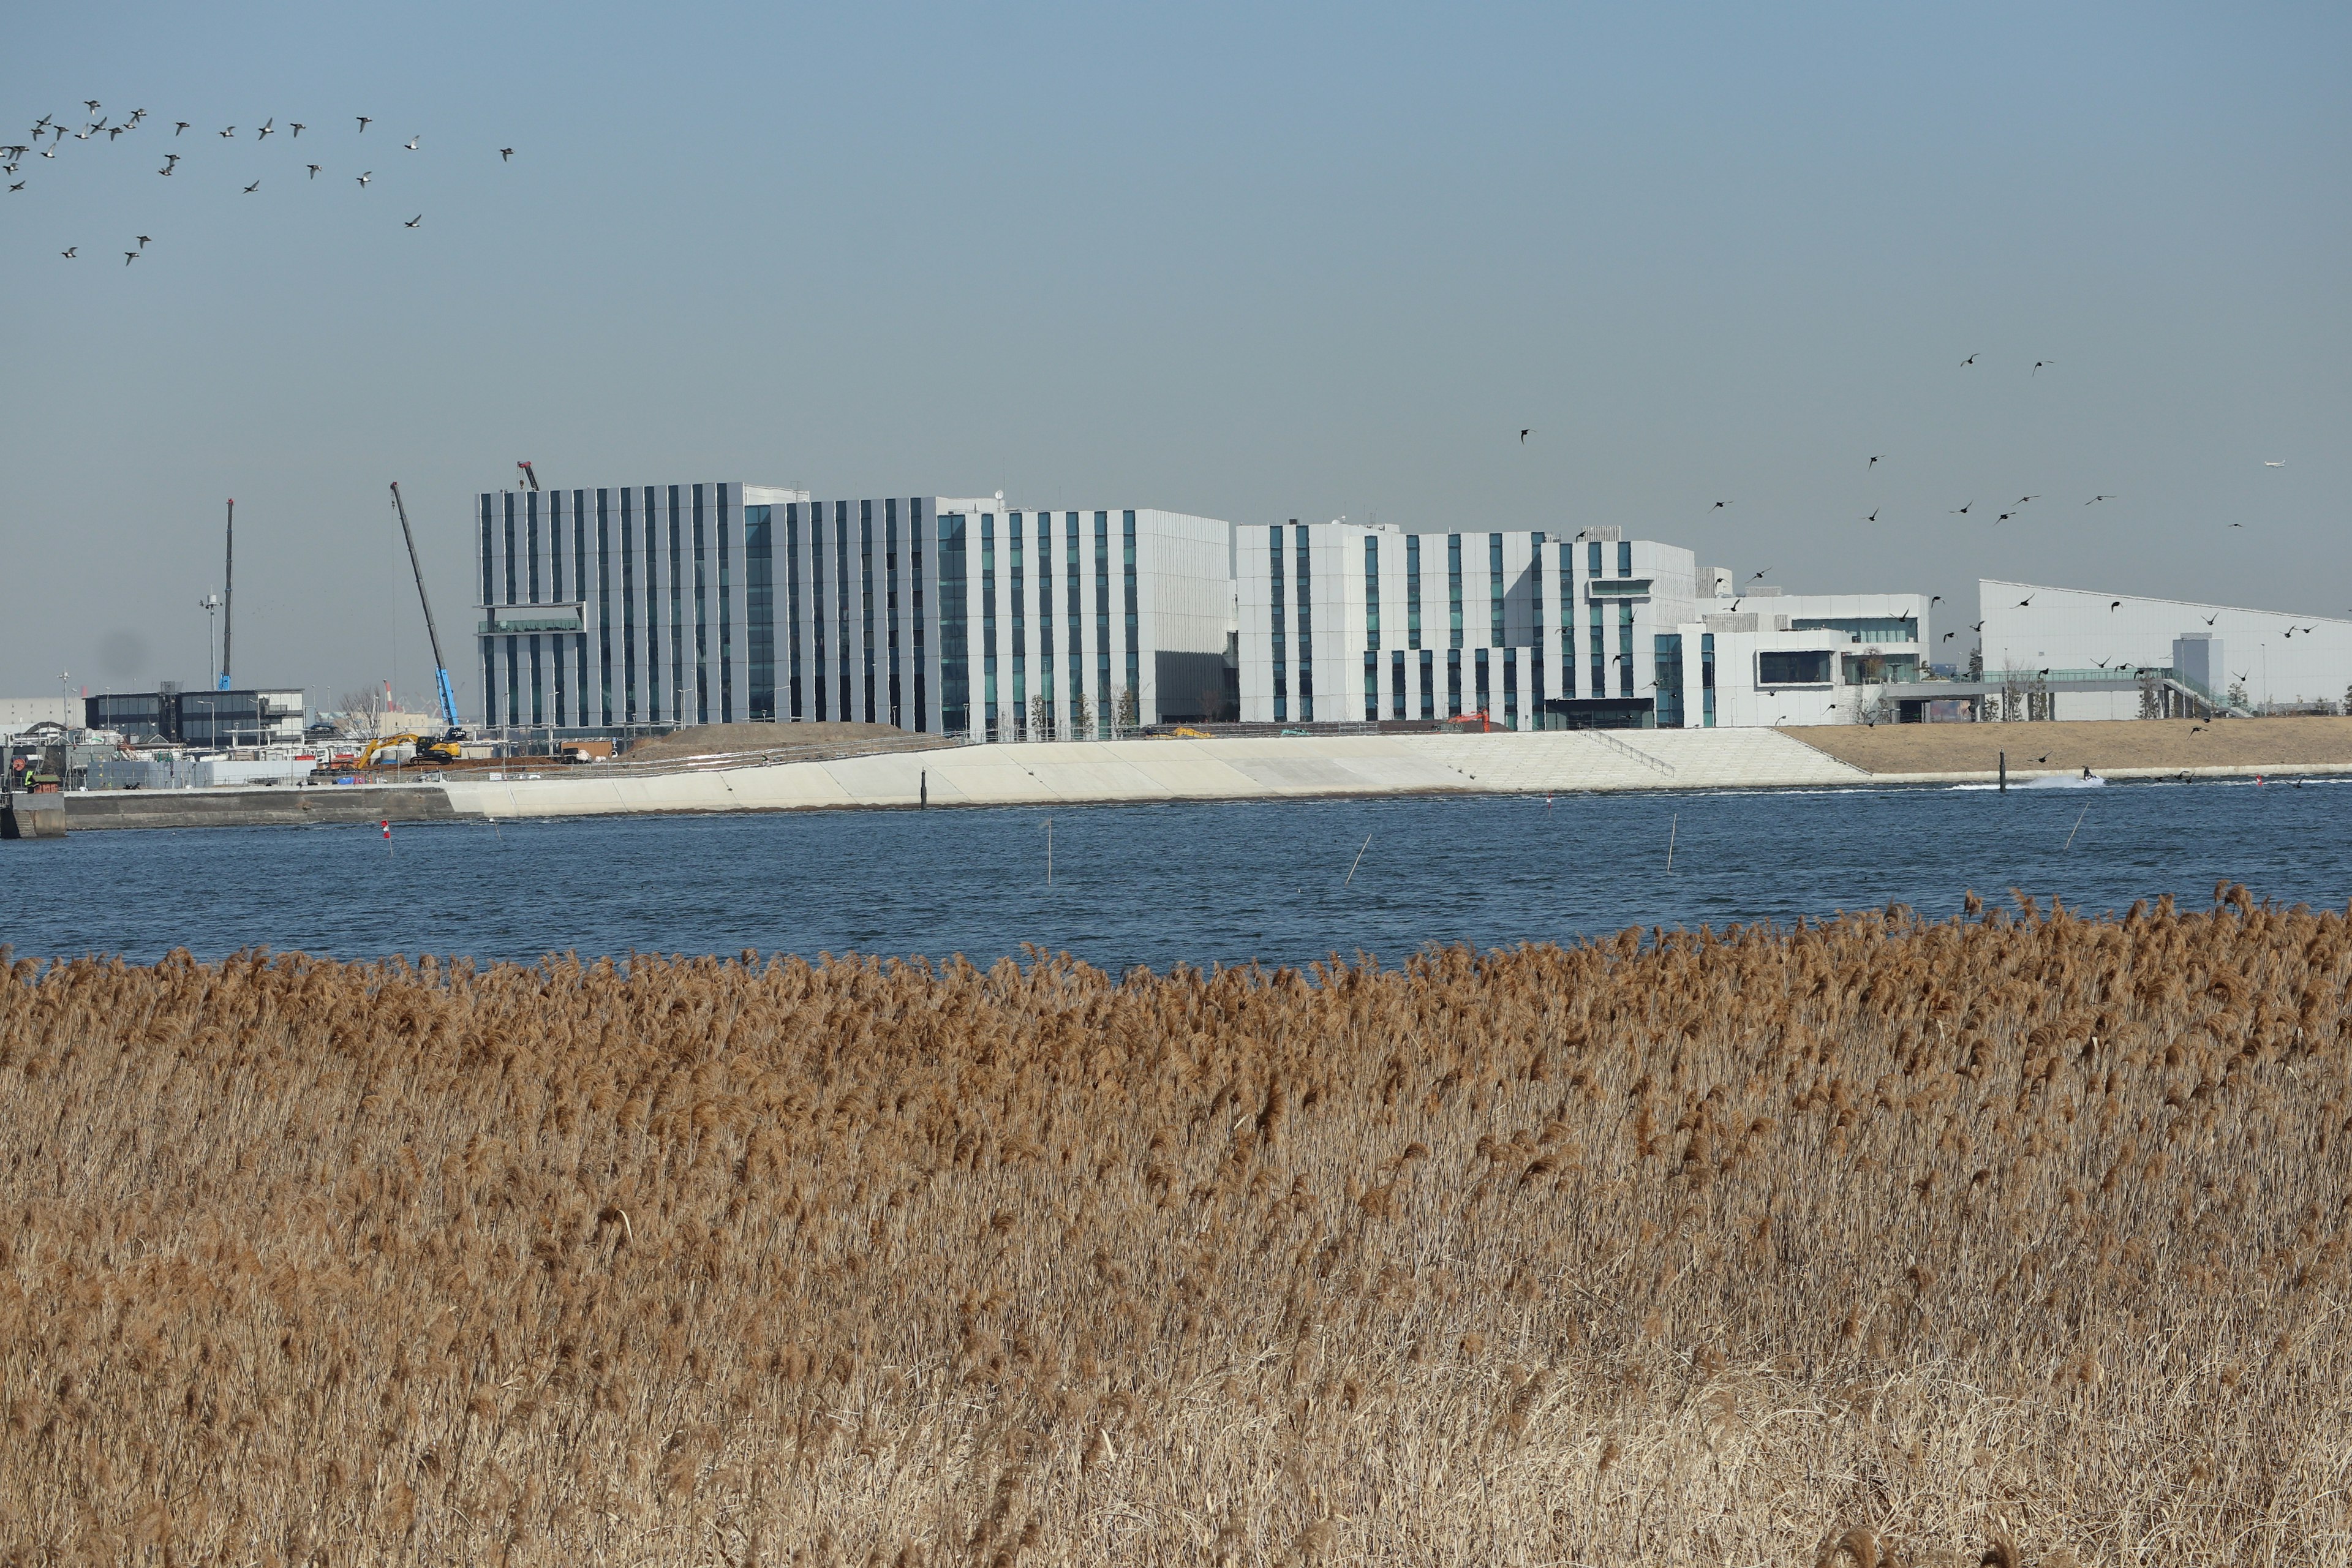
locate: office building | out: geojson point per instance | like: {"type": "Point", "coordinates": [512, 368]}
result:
{"type": "Point", "coordinates": [203, 719]}
{"type": "Point", "coordinates": [663, 606]}
{"type": "Point", "coordinates": [1524, 629]}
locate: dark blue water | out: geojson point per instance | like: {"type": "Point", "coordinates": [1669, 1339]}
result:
{"type": "Point", "coordinates": [1163, 884]}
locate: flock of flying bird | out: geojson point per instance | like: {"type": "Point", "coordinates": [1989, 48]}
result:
{"type": "Point", "coordinates": [12, 157]}
{"type": "Point", "coordinates": [2015, 507]}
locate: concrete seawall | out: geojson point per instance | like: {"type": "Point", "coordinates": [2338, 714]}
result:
{"type": "Point", "coordinates": [1139, 772]}
{"type": "Point", "coordinates": [280, 807]}
{"type": "Point", "coordinates": [1129, 771]}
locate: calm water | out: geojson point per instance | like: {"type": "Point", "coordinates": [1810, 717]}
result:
{"type": "Point", "coordinates": [1163, 884]}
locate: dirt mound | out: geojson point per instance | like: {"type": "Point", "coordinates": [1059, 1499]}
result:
{"type": "Point", "coordinates": [706, 740]}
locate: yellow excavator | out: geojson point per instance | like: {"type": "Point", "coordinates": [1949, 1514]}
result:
{"type": "Point", "coordinates": [443, 751]}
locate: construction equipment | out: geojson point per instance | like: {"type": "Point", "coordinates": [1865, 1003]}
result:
{"type": "Point", "coordinates": [443, 751]}
{"type": "Point", "coordinates": [526, 474]}
{"type": "Point", "coordinates": [447, 693]}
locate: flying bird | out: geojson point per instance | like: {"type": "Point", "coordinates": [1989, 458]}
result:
{"type": "Point", "coordinates": [2268, 464]}
{"type": "Point", "coordinates": [411, 223]}
{"type": "Point", "coordinates": [164, 170]}
{"type": "Point", "coordinates": [506, 154]}
{"type": "Point", "coordinates": [2025, 601]}
{"type": "Point", "coordinates": [1949, 635]}
{"type": "Point", "coordinates": [1976, 626]}
{"type": "Point", "coordinates": [1935, 599]}
{"type": "Point", "coordinates": [1871, 464]}
{"type": "Point", "coordinates": [230, 132]}
{"type": "Point", "coordinates": [2237, 525]}
{"type": "Point", "coordinates": [17, 186]}
{"type": "Point", "coordinates": [297, 127]}
{"type": "Point", "coordinates": [143, 241]}
{"type": "Point", "coordinates": [313, 168]}
{"type": "Point", "coordinates": [412, 141]}
{"type": "Point", "coordinates": [171, 157]}
{"type": "Point", "coordinates": [1523, 434]}
{"type": "Point", "coordinates": [2044, 756]}
{"type": "Point", "coordinates": [1874, 515]}
{"type": "Point", "coordinates": [1962, 513]}
{"type": "Point", "coordinates": [68, 250]}
{"type": "Point", "coordinates": [92, 103]}
{"type": "Point", "coordinates": [363, 119]}
{"type": "Point", "coordinates": [365, 178]}
{"type": "Point", "coordinates": [129, 257]}
{"type": "Point", "coordinates": [2039, 363]}
{"type": "Point", "coordinates": [2100, 662]}
{"type": "Point", "coordinates": [2212, 618]}
{"type": "Point", "coordinates": [2022, 500]}
{"type": "Point", "coordinates": [2096, 499]}
{"type": "Point", "coordinates": [178, 126]}
{"type": "Point", "coordinates": [2114, 608]}
{"type": "Point", "coordinates": [267, 126]}
{"type": "Point", "coordinates": [1716, 507]}
{"type": "Point", "coordinates": [1967, 362]}
{"type": "Point", "coordinates": [2004, 517]}
{"type": "Point", "coordinates": [1759, 576]}
{"type": "Point", "coordinates": [253, 187]}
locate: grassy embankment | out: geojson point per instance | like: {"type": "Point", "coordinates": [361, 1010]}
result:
{"type": "Point", "coordinates": [2072, 745]}
{"type": "Point", "coordinates": [2009, 1228]}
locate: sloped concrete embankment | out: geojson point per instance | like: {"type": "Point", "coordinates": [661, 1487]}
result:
{"type": "Point", "coordinates": [1130, 772]}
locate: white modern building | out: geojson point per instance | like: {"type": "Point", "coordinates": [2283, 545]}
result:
{"type": "Point", "coordinates": [660, 605]}
{"type": "Point", "coordinates": [21, 713]}
{"type": "Point", "coordinates": [1342, 623]}
{"type": "Point", "coordinates": [2049, 640]}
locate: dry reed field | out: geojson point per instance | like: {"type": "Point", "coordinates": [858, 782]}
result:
{"type": "Point", "coordinates": [1875, 1241]}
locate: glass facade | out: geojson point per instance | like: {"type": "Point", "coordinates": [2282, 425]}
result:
{"type": "Point", "coordinates": [1281, 645]}
{"type": "Point", "coordinates": [1413, 589]}
{"type": "Point", "coordinates": [1019, 601]}
{"type": "Point", "coordinates": [1106, 706]}
{"type": "Point", "coordinates": [1669, 664]}
{"type": "Point", "coordinates": [988, 622]}
{"type": "Point", "coordinates": [1495, 589]}
{"type": "Point", "coordinates": [1306, 633]}
{"type": "Point", "coordinates": [760, 607]}
{"type": "Point", "coordinates": [1454, 597]}
{"type": "Point", "coordinates": [1134, 692]}
{"type": "Point", "coordinates": [955, 654]}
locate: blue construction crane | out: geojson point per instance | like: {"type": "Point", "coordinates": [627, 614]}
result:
{"type": "Point", "coordinates": [440, 671]}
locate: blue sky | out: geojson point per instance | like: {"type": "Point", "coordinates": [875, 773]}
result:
{"type": "Point", "coordinates": [1258, 264]}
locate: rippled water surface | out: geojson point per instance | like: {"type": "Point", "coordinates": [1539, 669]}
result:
{"type": "Point", "coordinates": [1163, 884]}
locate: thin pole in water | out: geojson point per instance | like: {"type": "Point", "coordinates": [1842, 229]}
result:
{"type": "Point", "coordinates": [1672, 828]}
{"type": "Point", "coordinates": [1359, 859]}
{"type": "Point", "coordinates": [2004, 773]}
{"type": "Point", "coordinates": [1049, 852]}
{"type": "Point", "coordinates": [2076, 828]}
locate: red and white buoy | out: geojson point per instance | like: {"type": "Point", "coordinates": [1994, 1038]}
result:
{"type": "Point", "coordinates": [386, 826]}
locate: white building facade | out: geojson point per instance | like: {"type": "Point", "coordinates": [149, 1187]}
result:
{"type": "Point", "coordinates": [2038, 636]}
{"type": "Point", "coordinates": [1343, 623]}
{"type": "Point", "coordinates": [662, 606]}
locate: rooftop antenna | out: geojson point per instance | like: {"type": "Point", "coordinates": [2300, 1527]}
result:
{"type": "Point", "coordinates": [228, 597]}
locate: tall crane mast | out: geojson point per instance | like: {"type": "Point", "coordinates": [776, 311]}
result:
{"type": "Point", "coordinates": [440, 671]}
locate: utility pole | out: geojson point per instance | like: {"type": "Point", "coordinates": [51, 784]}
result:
{"type": "Point", "coordinates": [228, 600]}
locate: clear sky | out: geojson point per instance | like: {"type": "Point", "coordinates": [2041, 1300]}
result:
{"type": "Point", "coordinates": [1247, 261]}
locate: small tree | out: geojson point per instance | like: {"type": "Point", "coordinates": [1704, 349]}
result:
{"type": "Point", "coordinates": [1131, 709]}
{"type": "Point", "coordinates": [1041, 717]}
{"type": "Point", "coordinates": [2237, 694]}
{"type": "Point", "coordinates": [1082, 716]}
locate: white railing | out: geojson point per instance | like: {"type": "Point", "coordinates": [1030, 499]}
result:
{"type": "Point", "coordinates": [1658, 764]}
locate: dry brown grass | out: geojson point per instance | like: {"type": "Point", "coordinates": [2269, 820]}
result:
{"type": "Point", "coordinates": [1776, 1248]}
{"type": "Point", "coordinates": [2072, 745]}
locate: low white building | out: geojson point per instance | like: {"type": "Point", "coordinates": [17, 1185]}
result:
{"type": "Point", "coordinates": [1343, 623]}
{"type": "Point", "coordinates": [21, 713]}
{"type": "Point", "coordinates": [2047, 638]}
